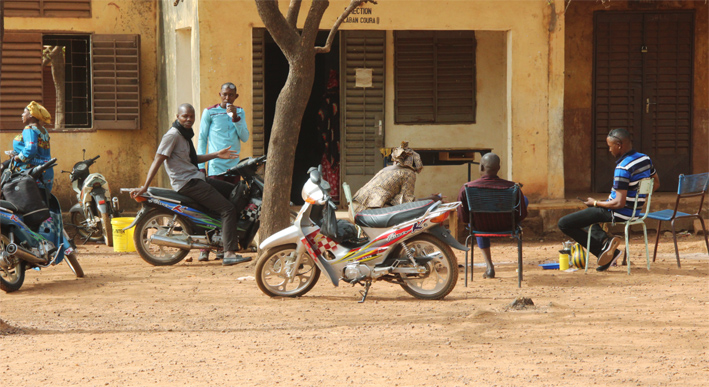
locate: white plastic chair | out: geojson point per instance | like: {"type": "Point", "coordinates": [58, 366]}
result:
{"type": "Point", "coordinates": [644, 188]}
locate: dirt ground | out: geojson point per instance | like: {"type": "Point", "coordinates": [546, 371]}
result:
{"type": "Point", "coordinates": [200, 324]}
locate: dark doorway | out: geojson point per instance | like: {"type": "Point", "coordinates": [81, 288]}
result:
{"type": "Point", "coordinates": [643, 82]}
{"type": "Point", "coordinates": [311, 144]}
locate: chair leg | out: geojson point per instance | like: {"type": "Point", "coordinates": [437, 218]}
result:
{"type": "Point", "coordinates": [657, 239]}
{"type": "Point", "coordinates": [674, 237]}
{"type": "Point", "coordinates": [519, 261]}
{"type": "Point", "coordinates": [627, 245]}
{"type": "Point", "coordinates": [647, 249]}
{"type": "Point", "coordinates": [466, 260]}
{"type": "Point", "coordinates": [472, 258]}
{"type": "Point", "coordinates": [704, 230]}
{"type": "Point", "coordinates": [588, 248]}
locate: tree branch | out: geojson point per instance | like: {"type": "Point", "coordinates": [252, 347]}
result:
{"type": "Point", "coordinates": [286, 38]}
{"type": "Point", "coordinates": [293, 11]}
{"type": "Point", "coordinates": [331, 37]}
{"type": "Point", "coordinates": [312, 22]}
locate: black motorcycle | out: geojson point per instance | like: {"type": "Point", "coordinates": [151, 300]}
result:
{"type": "Point", "coordinates": [169, 225]}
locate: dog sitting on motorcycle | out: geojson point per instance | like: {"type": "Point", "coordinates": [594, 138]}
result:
{"type": "Point", "coordinates": [178, 153]}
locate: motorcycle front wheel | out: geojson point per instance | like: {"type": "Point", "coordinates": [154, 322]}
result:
{"type": "Point", "coordinates": [107, 229]}
{"type": "Point", "coordinates": [278, 276]}
{"type": "Point", "coordinates": [441, 269]}
{"type": "Point", "coordinates": [11, 279]}
{"type": "Point", "coordinates": [74, 265]}
{"type": "Point", "coordinates": [159, 222]}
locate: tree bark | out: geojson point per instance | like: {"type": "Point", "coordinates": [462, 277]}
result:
{"type": "Point", "coordinates": [56, 55]}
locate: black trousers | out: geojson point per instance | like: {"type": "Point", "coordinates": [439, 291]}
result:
{"type": "Point", "coordinates": [213, 194]}
{"type": "Point", "coordinates": [576, 226]}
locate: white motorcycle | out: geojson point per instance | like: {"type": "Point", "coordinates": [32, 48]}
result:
{"type": "Point", "coordinates": [404, 244]}
{"type": "Point", "coordinates": [92, 215]}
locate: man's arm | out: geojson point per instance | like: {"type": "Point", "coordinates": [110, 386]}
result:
{"type": "Point", "coordinates": [225, 153]}
{"type": "Point", "coordinates": [204, 126]}
{"type": "Point", "coordinates": [241, 130]}
{"type": "Point", "coordinates": [613, 204]}
{"type": "Point", "coordinates": [154, 167]}
{"type": "Point", "coordinates": [656, 184]}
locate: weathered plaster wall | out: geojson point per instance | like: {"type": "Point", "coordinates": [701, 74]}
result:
{"type": "Point", "coordinates": [522, 30]}
{"type": "Point", "coordinates": [125, 155]}
{"type": "Point", "coordinates": [578, 128]}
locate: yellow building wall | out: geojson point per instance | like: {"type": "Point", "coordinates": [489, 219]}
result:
{"type": "Point", "coordinates": [520, 65]}
{"type": "Point", "coordinates": [125, 155]}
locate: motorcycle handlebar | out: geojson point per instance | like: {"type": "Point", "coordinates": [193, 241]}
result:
{"type": "Point", "coordinates": [36, 171]}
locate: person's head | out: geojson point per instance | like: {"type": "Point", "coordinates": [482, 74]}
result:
{"type": "Point", "coordinates": [489, 164]}
{"type": "Point", "coordinates": [35, 113]}
{"type": "Point", "coordinates": [619, 142]}
{"type": "Point", "coordinates": [228, 94]}
{"type": "Point", "coordinates": [405, 157]}
{"type": "Point", "coordinates": [185, 115]}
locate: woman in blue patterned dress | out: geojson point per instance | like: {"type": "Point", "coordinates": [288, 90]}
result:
{"type": "Point", "coordinates": [32, 146]}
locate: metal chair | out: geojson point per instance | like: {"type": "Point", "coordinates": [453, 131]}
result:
{"type": "Point", "coordinates": [644, 188]}
{"type": "Point", "coordinates": [487, 205]}
{"type": "Point", "coordinates": [689, 186]}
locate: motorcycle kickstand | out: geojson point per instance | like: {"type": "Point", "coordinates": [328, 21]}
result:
{"type": "Point", "coordinates": [364, 292]}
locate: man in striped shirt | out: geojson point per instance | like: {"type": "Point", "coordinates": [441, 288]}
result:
{"type": "Point", "coordinates": [631, 167]}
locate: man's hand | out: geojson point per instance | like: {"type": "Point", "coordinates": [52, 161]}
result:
{"type": "Point", "coordinates": [589, 202]}
{"type": "Point", "coordinates": [232, 109]}
{"type": "Point", "coordinates": [227, 153]}
{"type": "Point", "coordinates": [138, 191]}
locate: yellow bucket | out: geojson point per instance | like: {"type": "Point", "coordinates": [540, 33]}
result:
{"type": "Point", "coordinates": [122, 240]}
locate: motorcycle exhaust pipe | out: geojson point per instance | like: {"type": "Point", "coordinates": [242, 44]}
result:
{"type": "Point", "coordinates": [173, 242]}
{"type": "Point", "coordinates": [23, 254]}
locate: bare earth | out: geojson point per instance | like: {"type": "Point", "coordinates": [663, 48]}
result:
{"type": "Point", "coordinates": [195, 324]}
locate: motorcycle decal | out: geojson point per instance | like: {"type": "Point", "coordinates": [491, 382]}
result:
{"type": "Point", "coordinates": [323, 243]}
{"type": "Point", "coordinates": [378, 246]}
{"type": "Point", "coordinates": [194, 215]}
{"type": "Point", "coordinates": [308, 247]}
{"type": "Point", "coordinates": [21, 225]}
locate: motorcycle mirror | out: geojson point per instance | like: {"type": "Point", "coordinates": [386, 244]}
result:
{"type": "Point", "coordinates": [84, 155]}
{"type": "Point", "coordinates": [314, 176]}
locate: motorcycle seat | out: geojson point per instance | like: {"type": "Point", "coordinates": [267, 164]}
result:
{"type": "Point", "coordinates": [9, 206]}
{"type": "Point", "coordinates": [390, 216]}
{"type": "Point", "coordinates": [182, 199]}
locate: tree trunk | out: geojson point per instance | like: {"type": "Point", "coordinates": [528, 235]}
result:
{"type": "Point", "coordinates": [56, 55]}
{"type": "Point", "coordinates": [290, 108]}
{"type": "Point", "coordinates": [2, 30]}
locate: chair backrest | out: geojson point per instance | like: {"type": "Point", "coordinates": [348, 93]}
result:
{"type": "Point", "coordinates": [493, 201]}
{"type": "Point", "coordinates": [348, 196]}
{"type": "Point", "coordinates": [693, 184]}
{"type": "Point", "coordinates": [644, 188]}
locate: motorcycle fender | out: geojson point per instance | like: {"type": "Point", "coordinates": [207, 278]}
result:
{"type": "Point", "coordinates": [77, 208]}
{"type": "Point", "coordinates": [286, 236]}
{"type": "Point", "coordinates": [140, 214]}
{"type": "Point", "coordinates": [445, 236]}
{"type": "Point", "coordinates": [105, 207]}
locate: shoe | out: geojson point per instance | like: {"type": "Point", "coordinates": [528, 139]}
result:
{"type": "Point", "coordinates": [608, 252]}
{"type": "Point", "coordinates": [219, 256]}
{"type": "Point", "coordinates": [203, 256]}
{"type": "Point", "coordinates": [605, 267]}
{"type": "Point", "coordinates": [490, 273]}
{"type": "Point", "coordinates": [229, 261]}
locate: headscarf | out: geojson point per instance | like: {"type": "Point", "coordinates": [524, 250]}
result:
{"type": "Point", "coordinates": [187, 134]}
{"type": "Point", "coordinates": [407, 158]}
{"type": "Point", "coordinates": [39, 112]}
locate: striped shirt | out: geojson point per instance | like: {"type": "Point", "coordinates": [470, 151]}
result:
{"type": "Point", "coordinates": [629, 170]}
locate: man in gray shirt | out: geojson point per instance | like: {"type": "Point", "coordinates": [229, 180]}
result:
{"type": "Point", "coordinates": [177, 152]}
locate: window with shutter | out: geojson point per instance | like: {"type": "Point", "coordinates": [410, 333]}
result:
{"type": "Point", "coordinates": [21, 76]}
{"type": "Point", "coordinates": [434, 77]}
{"type": "Point", "coordinates": [48, 8]}
{"type": "Point", "coordinates": [116, 81]}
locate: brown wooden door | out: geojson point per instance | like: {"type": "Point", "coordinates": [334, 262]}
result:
{"type": "Point", "coordinates": [643, 82]}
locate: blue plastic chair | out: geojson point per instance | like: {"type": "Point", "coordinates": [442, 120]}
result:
{"type": "Point", "coordinates": [497, 202]}
{"type": "Point", "coordinates": [689, 186]}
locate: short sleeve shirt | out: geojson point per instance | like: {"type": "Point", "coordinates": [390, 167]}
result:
{"type": "Point", "coordinates": [178, 165]}
{"type": "Point", "coordinates": [629, 170]}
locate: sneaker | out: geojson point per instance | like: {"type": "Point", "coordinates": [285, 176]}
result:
{"type": "Point", "coordinates": [229, 261]}
{"type": "Point", "coordinates": [608, 252]}
{"type": "Point", "coordinates": [203, 256]}
{"type": "Point", "coordinates": [605, 267]}
{"type": "Point", "coordinates": [219, 256]}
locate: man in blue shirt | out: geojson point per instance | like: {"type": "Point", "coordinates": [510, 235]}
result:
{"type": "Point", "coordinates": [631, 167]}
{"type": "Point", "coordinates": [222, 125]}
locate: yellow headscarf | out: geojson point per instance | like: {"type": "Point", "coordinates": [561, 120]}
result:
{"type": "Point", "coordinates": [39, 112]}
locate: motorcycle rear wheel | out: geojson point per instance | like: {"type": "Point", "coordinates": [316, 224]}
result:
{"type": "Point", "coordinates": [442, 271]}
{"type": "Point", "coordinates": [107, 229]}
{"type": "Point", "coordinates": [12, 279]}
{"type": "Point", "coordinates": [153, 254]}
{"type": "Point", "coordinates": [74, 265]}
{"type": "Point", "coordinates": [274, 267]}
{"type": "Point", "coordinates": [79, 221]}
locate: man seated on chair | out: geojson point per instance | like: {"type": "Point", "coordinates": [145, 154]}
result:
{"type": "Point", "coordinates": [393, 185]}
{"type": "Point", "coordinates": [631, 167]}
{"type": "Point", "coordinates": [489, 166]}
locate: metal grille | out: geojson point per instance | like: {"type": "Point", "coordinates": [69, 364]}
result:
{"type": "Point", "coordinates": [77, 98]}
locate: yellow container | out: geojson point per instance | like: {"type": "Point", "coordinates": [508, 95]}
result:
{"type": "Point", "coordinates": [563, 259]}
{"type": "Point", "coordinates": [122, 240]}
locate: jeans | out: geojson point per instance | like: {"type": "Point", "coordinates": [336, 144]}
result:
{"type": "Point", "coordinates": [213, 194]}
{"type": "Point", "coordinates": [576, 226]}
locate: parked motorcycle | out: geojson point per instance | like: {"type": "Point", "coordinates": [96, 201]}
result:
{"type": "Point", "coordinates": [404, 244]}
{"type": "Point", "coordinates": [169, 225]}
{"type": "Point", "coordinates": [92, 214]}
{"type": "Point", "coordinates": [33, 234]}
